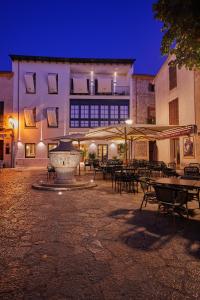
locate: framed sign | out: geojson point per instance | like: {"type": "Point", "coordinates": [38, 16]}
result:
{"type": "Point", "coordinates": [188, 147]}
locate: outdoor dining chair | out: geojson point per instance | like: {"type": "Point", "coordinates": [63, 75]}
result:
{"type": "Point", "coordinates": [172, 200]}
{"type": "Point", "coordinates": [191, 171]}
{"type": "Point", "coordinates": [149, 195]}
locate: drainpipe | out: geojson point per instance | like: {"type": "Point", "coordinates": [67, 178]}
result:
{"type": "Point", "coordinates": [136, 95]}
{"type": "Point", "coordinates": [18, 136]}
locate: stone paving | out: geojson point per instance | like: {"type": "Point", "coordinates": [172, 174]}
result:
{"type": "Point", "coordinates": [92, 244]}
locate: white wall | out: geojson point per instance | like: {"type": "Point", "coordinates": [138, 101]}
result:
{"type": "Point", "coordinates": [185, 94]}
{"type": "Point", "coordinates": [41, 100]}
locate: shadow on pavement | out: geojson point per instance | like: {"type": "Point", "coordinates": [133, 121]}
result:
{"type": "Point", "coordinates": [152, 231]}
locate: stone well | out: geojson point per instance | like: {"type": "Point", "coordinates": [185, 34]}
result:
{"type": "Point", "coordinates": [65, 159]}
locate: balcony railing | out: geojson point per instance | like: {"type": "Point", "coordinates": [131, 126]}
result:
{"type": "Point", "coordinates": [122, 90]}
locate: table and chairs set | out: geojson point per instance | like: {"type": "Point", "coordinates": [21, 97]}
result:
{"type": "Point", "coordinates": [160, 183]}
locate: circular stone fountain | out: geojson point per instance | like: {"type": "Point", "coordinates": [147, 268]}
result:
{"type": "Point", "coordinates": [65, 159]}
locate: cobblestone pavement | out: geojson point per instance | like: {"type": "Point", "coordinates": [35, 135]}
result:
{"type": "Point", "coordinates": [92, 244]}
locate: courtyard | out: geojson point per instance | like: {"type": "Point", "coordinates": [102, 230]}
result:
{"type": "Point", "coordinates": [92, 244]}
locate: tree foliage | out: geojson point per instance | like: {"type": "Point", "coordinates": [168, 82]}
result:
{"type": "Point", "coordinates": [181, 28]}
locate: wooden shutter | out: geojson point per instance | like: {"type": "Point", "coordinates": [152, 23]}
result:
{"type": "Point", "coordinates": [173, 112]}
{"type": "Point", "coordinates": [1, 113]}
{"type": "Point", "coordinates": [172, 77]}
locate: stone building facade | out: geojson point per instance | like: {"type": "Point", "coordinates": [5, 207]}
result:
{"type": "Point", "coordinates": [144, 112]}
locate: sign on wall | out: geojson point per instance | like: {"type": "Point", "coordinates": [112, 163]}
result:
{"type": "Point", "coordinates": [141, 149]}
{"type": "Point", "coordinates": [188, 147]}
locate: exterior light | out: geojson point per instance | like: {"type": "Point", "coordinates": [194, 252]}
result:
{"type": "Point", "coordinates": [19, 144]}
{"type": "Point", "coordinates": [12, 122]}
{"type": "Point", "coordinates": [41, 144]}
{"type": "Point", "coordinates": [113, 146]}
{"type": "Point", "coordinates": [129, 122]}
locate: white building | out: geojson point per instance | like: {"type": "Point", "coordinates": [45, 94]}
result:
{"type": "Point", "coordinates": [178, 103]}
{"type": "Point", "coordinates": [58, 96]}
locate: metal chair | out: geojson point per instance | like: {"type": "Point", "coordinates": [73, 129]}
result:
{"type": "Point", "coordinates": [191, 171]}
{"type": "Point", "coordinates": [172, 200]}
{"type": "Point", "coordinates": [149, 196]}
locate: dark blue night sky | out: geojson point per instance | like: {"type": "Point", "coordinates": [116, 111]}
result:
{"type": "Point", "coordinates": [81, 28]}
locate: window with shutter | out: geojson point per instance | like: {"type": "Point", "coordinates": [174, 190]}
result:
{"type": "Point", "coordinates": [173, 112]}
{"type": "Point", "coordinates": [1, 113]}
{"type": "Point", "coordinates": [172, 77]}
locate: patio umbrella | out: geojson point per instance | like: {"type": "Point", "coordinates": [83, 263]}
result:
{"type": "Point", "coordinates": [131, 132]}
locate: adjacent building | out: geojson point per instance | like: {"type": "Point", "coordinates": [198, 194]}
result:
{"type": "Point", "coordinates": [57, 96]}
{"type": "Point", "coordinates": [178, 103]}
{"type": "Point", "coordinates": [6, 131]}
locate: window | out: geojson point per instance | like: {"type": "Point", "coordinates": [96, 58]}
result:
{"type": "Point", "coordinates": [80, 86]}
{"type": "Point", "coordinates": [84, 111]}
{"type": "Point", "coordinates": [102, 151]}
{"type": "Point", "coordinates": [92, 113]}
{"type": "Point", "coordinates": [30, 117]}
{"type": "Point", "coordinates": [30, 83]}
{"type": "Point", "coordinates": [114, 112]}
{"type": "Point", "coordinates": [104, 123]}
{"type": "Point", "coordinates": [52, 117]}
{"type": "Point", "coordinates": [172, 77]}
{"type": "Point", "coordinates": [123, 112]}
{"type": "Point", "coordinates": [7, 148]}
{"type": "Point", "coordinates": [84, 124]}
{"type": "Point", "coordinates": [104, 111]}
{"type": "Point", "coordinates": [74, 111]}
{"type": "Point", "coordinates": [52, 83]}
{"type": "Point", "coordinates": [30, 150]}
{"type": "Point", "coordinates": [51, 146]}
{"type": "Point", "coordinates": [1, 113]}
{"type": "Point", "coordinates": [173, 112]}
{"type": "Point", "coordinates": [114, 122]}
{"type": "Point", "coordinates": [94, 123]}
{"type": "Point", "coordinates": [74, 124]}
{"type": "Point", "coordinates": [151, 115]}
{"type": "Point", "coordinates": [104, 86]}
{"type": "Point", "coordinates": [151, 87]}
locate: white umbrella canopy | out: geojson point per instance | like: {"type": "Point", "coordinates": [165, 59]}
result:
{"type": "Point", "coordinates": [131, 132]}
{"type": "Point", "coordinates": [138, 132]}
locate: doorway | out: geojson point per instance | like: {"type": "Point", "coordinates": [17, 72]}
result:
{"type": "Point", "coordinates": [153, 153]}
{"type": "Point", "coordinates": [102, 152]}
{"type": "Point", "coordinates": [1, 149]}
{"type": "Point", "coordinates": [175, 151]}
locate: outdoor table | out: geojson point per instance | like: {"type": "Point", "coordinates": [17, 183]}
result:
{"type": "Point", "coordinates": [179, 182]}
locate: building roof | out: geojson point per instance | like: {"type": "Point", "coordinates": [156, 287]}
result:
{"type": "Point", "coordinates": [125, 61]}
{"type": "Point", "coordinates": [143, 75]}
{"type": "Point", "coordinates": [8, 74]}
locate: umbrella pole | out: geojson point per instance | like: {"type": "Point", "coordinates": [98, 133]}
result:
{"type": "Point", "coordinates": [131, 148]}
{"type": "Point", "coordinates": [125, 135]}
{"type": "Point", "coordinates": [79, 167]}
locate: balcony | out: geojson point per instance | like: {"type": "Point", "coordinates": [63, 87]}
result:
{"type": "Point", "coordinates": [88, 87]}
